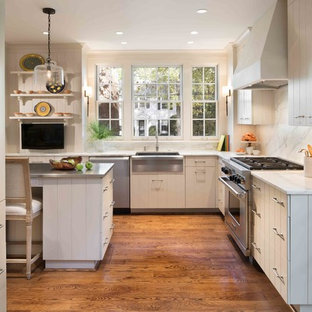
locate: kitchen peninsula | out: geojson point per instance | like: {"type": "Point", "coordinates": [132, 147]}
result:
{"type": "Point", "coordinates": [77, 214]}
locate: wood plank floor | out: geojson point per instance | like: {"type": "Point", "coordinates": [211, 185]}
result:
{"type": "Point", "coordinates": [156, 263]}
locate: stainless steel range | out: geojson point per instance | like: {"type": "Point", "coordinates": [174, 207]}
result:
{"type": "Point", "coordinates": [236, 176]}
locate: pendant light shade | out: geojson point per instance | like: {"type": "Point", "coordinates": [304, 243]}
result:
{"type": "Point", "coordinates": [49, 76]}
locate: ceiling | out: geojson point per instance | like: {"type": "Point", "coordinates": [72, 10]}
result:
{"type": "Point", "coordinates": [147, 24]}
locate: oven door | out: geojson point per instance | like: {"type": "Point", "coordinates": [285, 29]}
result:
{"type": "Point", "coordinates": [236, 213]}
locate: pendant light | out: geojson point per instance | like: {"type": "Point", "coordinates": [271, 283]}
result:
{"type": "Point", "coordinates": [49, 76]}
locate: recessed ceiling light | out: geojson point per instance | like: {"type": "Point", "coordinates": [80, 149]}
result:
{"type": "Point", "coordinates": [123, 42]}
{"type": "Point", "coordinates": [190, 42]}
{"type": "Point", "coordinates": [45, 33]}
{"type": "Point", "coordinates": [119, 33]}
{"type": "Point", "coordinates": [194, 32]}
{"type": "Point", "coordinates": [201, 11]}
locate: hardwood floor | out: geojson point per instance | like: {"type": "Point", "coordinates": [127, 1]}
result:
{"type": "Point", "coordinates": [156, 263]}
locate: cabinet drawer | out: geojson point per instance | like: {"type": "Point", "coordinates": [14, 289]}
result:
{"type": "Point", "coordinates": [200, 161]}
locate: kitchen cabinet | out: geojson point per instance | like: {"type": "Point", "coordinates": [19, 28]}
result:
{"type": "Point", "coordinates": [157, 191]}
{"type": "Point", "coordinates": [220, 189]}
{"type": "Point", "coordinates": [200, 185]}
{"type": "Point", "coordinates": [2, 161]}
{"type": "Point", "coordinates": [281, 227]}
{"type": "Point", "coordinates": [299, 60]}
{"type": "Point", "coordinates": [77, 219]}
{"type": "Point", "coordinates": [255, 107]}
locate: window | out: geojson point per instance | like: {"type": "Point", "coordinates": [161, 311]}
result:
{"type": "Point", "coordinates": [157, 100]}
{"type": "Point", "coordinates": [109, 98]}
{"type": "Point", "coordinates": [204, 101]}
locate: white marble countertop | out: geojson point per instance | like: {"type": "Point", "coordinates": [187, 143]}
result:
{"type": "Point", "coordinates": [292, 182]}
{"type": "Point", "coordinates": [120, 153]}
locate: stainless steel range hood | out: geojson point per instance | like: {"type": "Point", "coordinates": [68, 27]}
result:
{"type": "Point", "coordinates": [262, 62]}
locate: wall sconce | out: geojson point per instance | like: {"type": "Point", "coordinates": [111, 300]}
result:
{"type": "Point", "coordinates": [226, 92]}
{"type": "Point", "coordinates": [88, 94]}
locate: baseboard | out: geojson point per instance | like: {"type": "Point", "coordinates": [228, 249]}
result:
{"type": "Point", "coordinates": [175, 211]}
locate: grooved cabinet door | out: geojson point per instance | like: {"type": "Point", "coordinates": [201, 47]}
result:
{"type": "Point", "coordinates": [140, 191]}
{"type": "Point", "coordinates": [200, 187]}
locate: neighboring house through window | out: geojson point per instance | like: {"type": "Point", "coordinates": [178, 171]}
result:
{"type": "Point", "coordinates": [157, 100]}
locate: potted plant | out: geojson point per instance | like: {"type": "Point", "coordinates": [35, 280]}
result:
{"type": "Point", "coordinates": [99, 133]}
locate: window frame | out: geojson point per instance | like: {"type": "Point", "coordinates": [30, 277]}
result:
{"type": "Point", "coordinates": [161, 138]}
{"type": "Point", "coordinates": [97, 102]}
{"type": "Point", "coordinates": [217, 99]}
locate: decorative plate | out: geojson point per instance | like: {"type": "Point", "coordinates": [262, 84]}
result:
{"type": "Point", "coordinates": [29, 61]}
{"type": "Point", "coordinates": [43, 109]}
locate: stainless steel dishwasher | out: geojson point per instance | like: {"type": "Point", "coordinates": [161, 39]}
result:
{"type": "Point", "coordinates": [122, 181]}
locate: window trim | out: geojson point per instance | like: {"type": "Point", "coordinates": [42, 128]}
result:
{"type": "Point", "coordinates": [161, 138]}
{"type": "Point", "coordinates": [97, 102]}
{"type": "Point", "coordinates": [203, 137]}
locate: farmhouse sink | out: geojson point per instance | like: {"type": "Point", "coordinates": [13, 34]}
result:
{"type": "Point", "coordinates": [157, 153]}
{"type": "Point", "coordinates": [157, 162]}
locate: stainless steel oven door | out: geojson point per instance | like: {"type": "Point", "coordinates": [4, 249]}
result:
{"type": "Point", "coordinates": [236, 213]}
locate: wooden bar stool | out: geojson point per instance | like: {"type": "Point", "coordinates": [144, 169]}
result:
{"type": "Point", "coordinates": [20, 206]}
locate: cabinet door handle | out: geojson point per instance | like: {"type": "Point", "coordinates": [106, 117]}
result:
{"type": "Point", "coordinates": [112, 203]}
{"type": "Point", "coordinates": [112, 227]}
{"type": "Point", "coordinates": [112, 181]}
{"type": "Point", "coordinates": [278, 234]}
{"type": "Point", "coordinates": [255, 246]}
{"type": "Point", "coordinates": [277, 201]}
{"type": "Point", "coordinates": [256, 213]}
{"type": "Point", "coordinates": [1, 271]}
{"type": "Point", "coordinates": [1, 226]}
{"type": "Point", "coordinates": [105, 215]}
{"type": "Point", "coordinates": [300, 116]}
{"type": "Point", "coordinates": [105, 189]}
{"type": "Point", "coordinates": [256, 187]}
{"type": "Point", "coordinates": [280, 277]}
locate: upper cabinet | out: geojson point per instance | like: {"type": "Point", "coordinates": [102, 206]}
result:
{"type": "Point", "coordinates": [299, 62]}
{"type": "Point", "coordinates": [255, 107]}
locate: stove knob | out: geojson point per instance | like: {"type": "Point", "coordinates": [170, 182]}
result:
{"type": "Point", "coordinates": [225, 170]}
{"type": "Point", "coordinates": [232, 178]}
{"type": "Point", "coordinates": [238, 180]}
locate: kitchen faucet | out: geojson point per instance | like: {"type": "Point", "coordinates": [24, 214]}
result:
{"type": "Point", "coordinates": [157, 143]}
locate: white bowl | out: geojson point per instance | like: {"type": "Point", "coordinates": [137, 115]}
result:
{"type": "Point", "coordinates": [256, 152]}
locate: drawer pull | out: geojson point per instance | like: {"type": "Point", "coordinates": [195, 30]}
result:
{"type": "Point", "coordinates": [280, 277]}
{"type": "Point", "coordinates": [112, 227]}
{"type": "Point", "coordinates": [105, 189]}
{"type": "Point", "coordinates": [254, 245]}
{"type": "Point", "coordinates": [256, 187]}
{"type": "Point", "coordinates": [277, 201]}
{"type": "Point", "coordinates": [106, 241]}
{"type": "Point", "coordinates": [112, 181]}
{"type": "Point", "coordinates": [278, 234]}
{"type": "Point", "coordinates": [1, 271]}
{"type": "Point", "coordinates": [112, 203]}
{"type": "Point", "coordinates": [1, 226]}
{"type": "Point", "coordinates": [256, 213]}
{"type": "Point", "coordinates": [157, 180]}
{"type": "Point", "coordinates": [234, 225]}
{"type": "Point", "coordinates": [105, 215]}
{"type": "Point", "coordinates": [200, 161]}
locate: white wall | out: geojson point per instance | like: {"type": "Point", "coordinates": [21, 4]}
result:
{"type": "Point", "coordinates": [280, 139]}
{"type": "Point", "coordinates": [69, 56]}
{"type": "Point", "coordinates": [187, 59]}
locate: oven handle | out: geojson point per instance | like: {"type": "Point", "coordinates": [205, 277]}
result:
{"type": "Point", "coordinates": [238, 194]}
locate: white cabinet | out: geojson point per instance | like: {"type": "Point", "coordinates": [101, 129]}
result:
{"type": "Point", "coordinates": [2, 161]}
{"type": "Point", "coordinates": [220, 189]}
{"type": "Point", "coordinates": [299, 62]}
{"type": "Point", "coordinates": [269, 239]}
{"type": "Point", "coordinates": [157, 191]}
{"type": "Point", "coordinates": [255, 107]}
{"type": "Point", "coordinates": [200, 185]}
{"type": "Point", "coordinates": [77, 220]}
